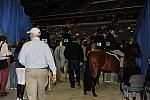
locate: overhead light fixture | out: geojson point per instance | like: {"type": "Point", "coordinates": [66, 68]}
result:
{"type": "Point", "coordinates": [102, 1]}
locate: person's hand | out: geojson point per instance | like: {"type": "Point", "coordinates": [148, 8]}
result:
{"type": "Point", "coordinates": [54, 78]}
{"type": "Point", "coordinates": [81, 63]}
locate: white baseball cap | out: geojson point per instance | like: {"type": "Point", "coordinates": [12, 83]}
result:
{"type": "Point", "coordinates": [35, 31]}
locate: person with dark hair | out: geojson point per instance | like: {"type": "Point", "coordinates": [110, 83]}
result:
{"type": "Point", "coordinates": [112, 47]}
{"type": "Point", "coordinates": [129, 70]}
{"type": "Point", "coordinates": [5, 70]}
{"type": "Point", "coordinates": [12, 74]}
{"type": "Point", "coordinates": [111, 39]}
{"type": "Point", "coordinates": [110, 44]}
{"type": "Point", "coordinates": [20, 71]}
{"type": "Point", "coordinates": [66, 36]}
{"type": "Point", "coordinates": [74, 54]}
{"type": "Point", "coordinates": [99, 39]}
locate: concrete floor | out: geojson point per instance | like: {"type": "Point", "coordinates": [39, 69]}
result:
{"type": "Point", "coordinates": [62, 91]}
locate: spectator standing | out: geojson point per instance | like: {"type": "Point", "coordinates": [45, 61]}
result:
{"type": "Point", "coordinates": [12, 74]}
{"type": "Point", "coordinates": [60, 61]}
{"type": "Point", "coordinates": [4, 53]}
{"type": "Point", "coordinates": [20, 71]}
{"type": "Point", "coordinates": [36, 56]}
{"type": "Point", "coordinates": [129, 70]}
{"type": "Point", "coordinates": [74, 55]}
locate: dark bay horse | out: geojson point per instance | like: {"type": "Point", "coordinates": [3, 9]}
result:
{"type": "Point", "coordinates": [99, 61]}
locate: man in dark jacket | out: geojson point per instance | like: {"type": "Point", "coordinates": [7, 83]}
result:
{"type": "Point", "coordinates": [74, 55]}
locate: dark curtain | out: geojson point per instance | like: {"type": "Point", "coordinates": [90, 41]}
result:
{"type": "Point", "coordinates": [13, 20]}
{"type": "Point", "coordinates": [142, 34]}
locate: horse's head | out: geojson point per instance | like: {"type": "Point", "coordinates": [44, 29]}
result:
{"type": "Point", "coordinates": [134, 50]}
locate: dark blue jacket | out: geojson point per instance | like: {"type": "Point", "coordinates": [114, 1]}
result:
{"type": "Point", "coordinates": [16, 53]}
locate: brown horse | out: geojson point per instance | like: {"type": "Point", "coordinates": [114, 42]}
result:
{"type": "Point", "coordinates": [99, 61]}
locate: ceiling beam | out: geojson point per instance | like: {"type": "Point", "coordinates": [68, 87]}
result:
{"type": "Point", "coordinates": [39, 3]}
{"type": "Point", "coordinates": [88, 13]}
{"type": "Point", "coordinates": [102, 1]}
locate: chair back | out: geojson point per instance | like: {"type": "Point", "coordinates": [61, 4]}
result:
{"type": "Point", "coordinates": [137, 81]}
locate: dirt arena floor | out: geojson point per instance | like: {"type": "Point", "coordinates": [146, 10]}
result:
{"type": "Point", "coordinates": [62, 91]}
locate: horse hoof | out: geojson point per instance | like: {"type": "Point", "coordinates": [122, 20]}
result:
{"type": "Point", "coordinates": [85, 93]}
{"type": "Point", "coordinates": [95, 95]}
{"type": "Point", "coordinates": [127, 98]}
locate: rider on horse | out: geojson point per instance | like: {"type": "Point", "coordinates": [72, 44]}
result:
{"type": "Point", "coordinates": [66, 37]}
{"type": "Point", "coordinates": [111, 45]}
{"type": "Point", "coordinates": [99, 39]}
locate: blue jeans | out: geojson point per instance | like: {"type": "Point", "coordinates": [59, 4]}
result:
{"type": "Point", "coordinates": [13, 78]}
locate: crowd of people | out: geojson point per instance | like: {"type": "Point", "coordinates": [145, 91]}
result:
{"type": "Point", "coordinates": [33, 59]}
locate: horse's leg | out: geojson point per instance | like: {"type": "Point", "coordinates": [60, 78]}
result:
{"type": "Point", "coordinates": [94, 81]}
{"type": "Point", "coordinates": [98, 83]}
{"type": "Point", "coordinates": [120, 79]}
{"type": "Point", "coordinates": [87, 82]}
{"type": "Point", "coordinates": [93, 87]}
{"type": "Point", "coordinates": [85, 93]}
{"type": "Point", "coordinates": [103, 76]}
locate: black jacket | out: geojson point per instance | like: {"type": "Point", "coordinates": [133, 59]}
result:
{"type": "Point", "coordinates": [110, 39]}
{"type": "Point", "coordinates": [99, 41]}
{"type": "Point", "coordinates": [74, 51]}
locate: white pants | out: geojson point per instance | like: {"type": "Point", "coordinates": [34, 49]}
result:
{"type": "Point", "coordinates": [20, 75]}
{"type": "Point", "coordinates": [120, 53]}
{"type": "Point", "coordinates": [125, 91]}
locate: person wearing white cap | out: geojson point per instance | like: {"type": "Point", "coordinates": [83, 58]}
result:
{"type": "Point", "coordinates": [36, 56]}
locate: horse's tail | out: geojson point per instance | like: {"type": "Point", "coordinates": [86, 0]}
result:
{"type": "Point", "coordinates": [87, 82]}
